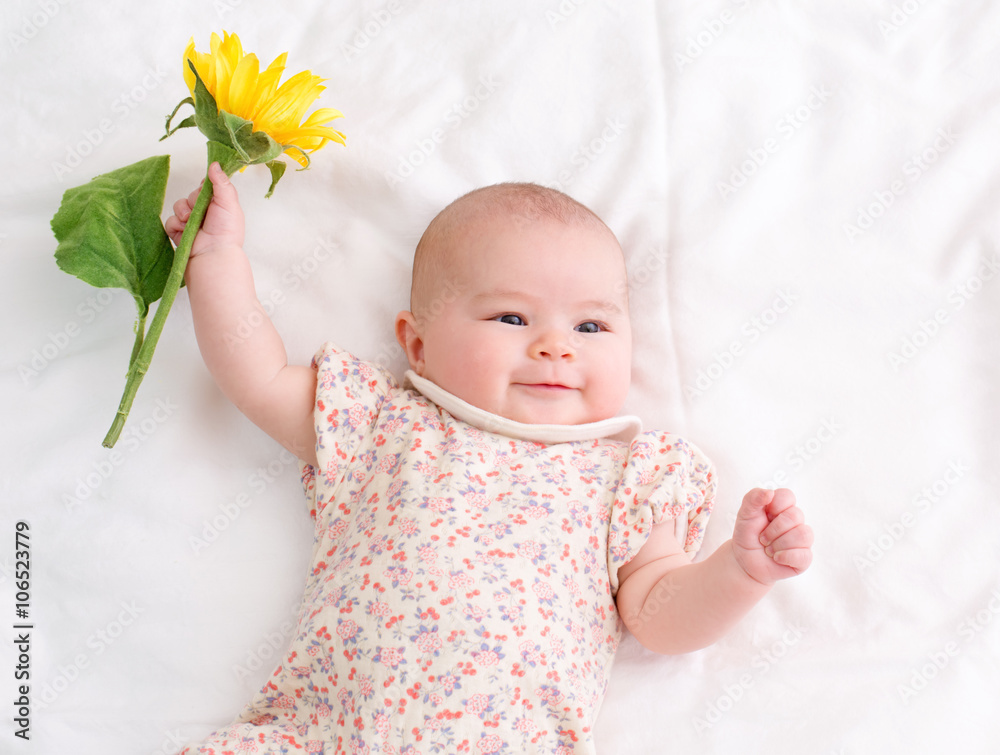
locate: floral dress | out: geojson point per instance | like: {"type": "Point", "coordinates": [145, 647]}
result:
{"type": "Point", "coordinates": [462, 591]}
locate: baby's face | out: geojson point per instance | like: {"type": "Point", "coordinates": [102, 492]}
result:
{"type": "Point", "coordinates": [532, 323]}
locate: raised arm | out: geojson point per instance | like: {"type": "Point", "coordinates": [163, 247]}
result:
{"type": "Point", "coordinates": [674, 606]}
{"type": "Point", "coordinates": [238, 342]}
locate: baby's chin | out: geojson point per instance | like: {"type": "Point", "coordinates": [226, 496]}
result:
{"type": "Point", "coordinates": [539, 413]}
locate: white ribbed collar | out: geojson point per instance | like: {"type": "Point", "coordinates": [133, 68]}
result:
{"type": "Point", "coordinates": [622, 428]}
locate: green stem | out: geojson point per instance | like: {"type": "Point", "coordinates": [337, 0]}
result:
{"type": "Point", "coordinates": [140, 362]}
{"type": "Point", "coordinates": [140, 331]}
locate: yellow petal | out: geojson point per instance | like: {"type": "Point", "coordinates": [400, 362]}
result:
{"type": "Point", "coordinates": [267, 84]}
{"type": "Point", "coordinates": [243, 86]}
{"type": "Point", "coordinates": [188, 75]}
{"type": "Point", "coordinates": [292, 99]}
{"type": "Point", "coordinates": [322, 115]}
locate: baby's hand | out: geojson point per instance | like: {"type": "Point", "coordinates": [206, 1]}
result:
{"type": "Point", "coordinates": [770, 540]}
{"type": "Point", "coordinates": [223, 224]}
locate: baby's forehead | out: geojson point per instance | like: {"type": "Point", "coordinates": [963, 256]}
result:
{"type": "Point", "coordinates": [442, 250]}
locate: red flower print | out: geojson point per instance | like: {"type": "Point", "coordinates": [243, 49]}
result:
{"type": "Point", "coordinates": [486, 658]}
{"type": "Point", "coordinates": [477, 500]}
{"type": "Point", "coordinates": [529, 550]}
{"type": "Point", "coordinates": [389, 656]}
{"type": "Point", "coordinates": [460, 581]}
{"type": "Point", "coordinates": [525, 725]}
{"type": "Point", "coordinates": [489, 744]}
{"type": "Point", "coordinates": [477, 704]}
{"type": "Point", "coordinates": [439, 505]}
{"type": "Point", "coordinates": [347, 629]}
{"type": "Point", "coordinates": [358, 416]}
{"type": "Point", "coordinates": [543, 590]}
{"type": "Point", "coordinates": [428, 641]}
{"type": "Point", "coordinates": [366, 686]}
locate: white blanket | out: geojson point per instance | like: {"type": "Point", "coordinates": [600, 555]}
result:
{"type": "Point", "coordinates": [808, 198]}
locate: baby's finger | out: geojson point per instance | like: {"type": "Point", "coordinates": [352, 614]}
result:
{"type": "Point", "coordinates": [224, 193]}
{"type": "Point", "coordinates": [800, 536]}
{"type": "Point", "coordinates": [182, 210]}
{"type": "Point", "coordinates": [797, 559]}
{"type": "Point", "coordinates": [193, 196]}
{"type": "Point", "coordinates": [173, 226]}
{"type": "Point", "coordinates": [782, 500]}
{"type": "Point", "coordinates": [786, 520]}
{"type": "Point", "coordinates": [754, 502]}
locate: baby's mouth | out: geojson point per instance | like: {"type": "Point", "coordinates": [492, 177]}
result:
{"type": "Point", "coordinates": [546, 387]}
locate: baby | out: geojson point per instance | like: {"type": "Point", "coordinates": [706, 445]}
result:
{"type": "Point", "coordinates": [483, 530]}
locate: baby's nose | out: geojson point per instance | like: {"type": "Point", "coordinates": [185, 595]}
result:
{"type": "Point", "coordinates": [552, 345]}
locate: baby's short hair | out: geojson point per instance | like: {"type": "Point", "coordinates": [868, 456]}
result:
{"type": "Point", "coordinates": [528, 201]}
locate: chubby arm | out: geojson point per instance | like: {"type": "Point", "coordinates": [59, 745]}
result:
{"type": "Point", "coordinates": [238, 342]}
{"type": "Point", "coordinates": [674, 606]}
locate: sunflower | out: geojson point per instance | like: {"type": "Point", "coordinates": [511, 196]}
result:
{"type": "Point", "coordinates": [239, 87]}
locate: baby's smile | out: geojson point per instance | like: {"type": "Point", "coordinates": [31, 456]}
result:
{"type": "Point", "coordinates": [540, 331]}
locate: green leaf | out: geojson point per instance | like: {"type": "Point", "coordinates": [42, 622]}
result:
{"type": "Point", "coordinates": [110, 234]}
{"type": "Point", "coordinates": [254, 146]}
{"type": "Point", "coordinates": [186, 123]}
{"type": "Point", "coordinates": [206, 112]}
{"type": "Point", "coordinates": [277, 168]}
{"type": "Point", "coordinates": [226, 156]}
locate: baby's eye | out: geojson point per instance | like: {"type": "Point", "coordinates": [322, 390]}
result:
{"type": "Point", "coordinates": [510, 319]}
{"type": "Point", "coordinates": [589, 327]}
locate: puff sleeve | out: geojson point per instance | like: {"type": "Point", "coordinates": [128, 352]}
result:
{"type": "Point", "coordinates": [349, 395]}
{"type": "Point", "coordinates": [665, 479]}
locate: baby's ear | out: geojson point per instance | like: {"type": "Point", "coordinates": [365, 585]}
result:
{"type": "Point", "coordinates": [409, 338]}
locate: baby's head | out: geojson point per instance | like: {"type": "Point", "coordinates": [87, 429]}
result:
{"type": "Point", "coordinates": [519, 306]}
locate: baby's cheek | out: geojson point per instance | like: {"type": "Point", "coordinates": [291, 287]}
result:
{"type": "Point", "coordinates": [613, 386]}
